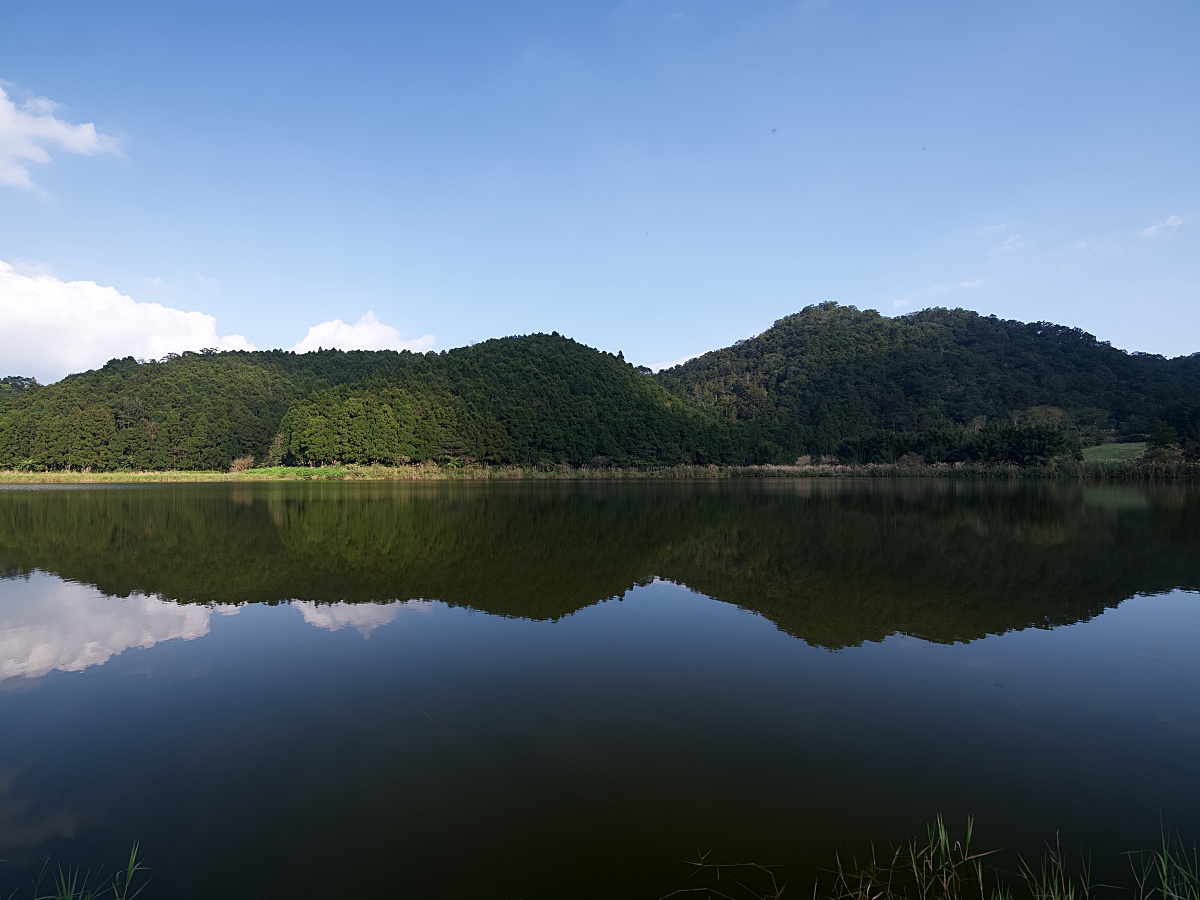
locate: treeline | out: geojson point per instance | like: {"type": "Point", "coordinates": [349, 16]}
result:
{"type": "Point", "coordinates": [831, 382]}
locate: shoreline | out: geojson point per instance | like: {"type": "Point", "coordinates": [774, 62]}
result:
{"type": "Point", "coordinates": [1139, 470]}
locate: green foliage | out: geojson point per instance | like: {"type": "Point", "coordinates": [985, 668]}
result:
{"type": "Point", "coordinates": [539, 400]}
{"type": "Point", "coordinates": [72, 883]}
{"type": "Point", "coordinates": [833, 380]}
{"type": "Point", "coordinates": [938, 386]}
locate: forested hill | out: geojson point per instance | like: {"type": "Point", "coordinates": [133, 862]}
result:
{"type": "Point", "coordinates": [939, 385]}
{"type": "Point", "coordinates": [540, 399]}
{"type": "Point", "coordinates": [836, 380]}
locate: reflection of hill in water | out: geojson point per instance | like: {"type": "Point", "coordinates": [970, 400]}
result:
{"type": "Point", "coordinates": [832, 563]}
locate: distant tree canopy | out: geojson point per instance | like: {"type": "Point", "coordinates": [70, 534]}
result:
{"type": "Point", "coordinates": [831, 381]}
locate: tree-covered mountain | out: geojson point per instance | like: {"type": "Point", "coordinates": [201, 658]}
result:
{"type": "Point", "coordinates": [836, 380]}
{"type": "Point", "coordinates": [830, 381]}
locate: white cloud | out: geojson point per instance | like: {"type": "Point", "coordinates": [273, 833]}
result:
{"type": "Point", "coordinates": [50, 328]}
{"type": "Point", "coordinates": [978, 282]}
{"type": "Point", "coordinates": [659, 366]}
{"type": "Point", "coordinates": [368, 333]}
{"type": "Point", "coordinates": [27, 128]}
{"type": "Point", "coordinates": [1170, 223]}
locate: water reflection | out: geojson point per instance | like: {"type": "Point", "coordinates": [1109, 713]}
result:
{"type": "Point", "coordinates": [832, 563]}
{"type": "Point", "coordinates": [565, 743]}
{"type": "Point", "coordinates": [25, 821]}
{"type": "Point", "coordinates": [48, 625]}
{"type": "Point", "coordinates": [362, 617]}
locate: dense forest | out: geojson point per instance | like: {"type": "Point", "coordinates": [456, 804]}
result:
{"type": "Point", "coordinates": [830, 382]}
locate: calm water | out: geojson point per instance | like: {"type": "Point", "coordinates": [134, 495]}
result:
{"type": "Point", "coordinates": [561, 690]}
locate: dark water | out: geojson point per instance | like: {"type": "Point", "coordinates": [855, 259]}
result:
{"type": "Point", "coordinates": [561, 690]}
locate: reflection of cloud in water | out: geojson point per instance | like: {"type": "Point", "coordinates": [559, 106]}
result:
{"type": "Point", "coordinates": [364, 617]}
{"type": "Point", "coordinates": [47, 625]}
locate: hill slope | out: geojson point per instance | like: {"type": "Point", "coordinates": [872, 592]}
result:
{"type": "Point", "coordinates": [835, 380]}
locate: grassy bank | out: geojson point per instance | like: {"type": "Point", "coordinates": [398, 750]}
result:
{"type": "Point", "coordinates": [1114, 453]}
{"type": "Point", "coordinates": [1131, 467]}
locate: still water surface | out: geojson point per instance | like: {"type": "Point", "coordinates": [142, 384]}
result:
{"type": "Point", "coordinates": [562, 690]}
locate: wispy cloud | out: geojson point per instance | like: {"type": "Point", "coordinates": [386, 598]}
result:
{"type": "Point", "coordinates": [935, 290]}
{"type": "Point", "coordinates": [368, 333]}
{"type": "Point", "coordinates": [659, 366]}
{"type": "Point", "coordinates": [29, 127]}
{"type": "Point", "coordinates": [1170, 223]}
{"type": "Point", "coordinates": [1009, 244]}
{"type": "Point", "coordinates": [32, 267]}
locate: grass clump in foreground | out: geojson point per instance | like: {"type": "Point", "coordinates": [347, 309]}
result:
{"type": "Point", "coordinates": [943, 867]}
{"type": "Point", "coordinates": [69, 883]}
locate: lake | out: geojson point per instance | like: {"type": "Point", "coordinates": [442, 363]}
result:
{"type": "Point", "coordinates": [566, 689]}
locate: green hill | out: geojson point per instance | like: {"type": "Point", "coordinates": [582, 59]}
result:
{"type": "Point", "coordinates": [540, 399]}
{"type": "Point", "coordinates": [830, 381]}
{"type": "Point", "coordinates": [944, 383]}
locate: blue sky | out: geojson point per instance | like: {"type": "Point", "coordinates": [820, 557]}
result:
{"type": "Point", "coordinates": [660, 177]}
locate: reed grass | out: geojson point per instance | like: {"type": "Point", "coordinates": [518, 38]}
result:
{"type": "Point", "coordinates": [71, 883]}
{"type": "Point", "coordinates": [944, 866]}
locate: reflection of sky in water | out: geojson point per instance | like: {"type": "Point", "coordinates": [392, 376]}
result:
{"type": "Point", "coordinates": [631, 727]}
{"type": "Point", "coordinates": [48, 625]}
